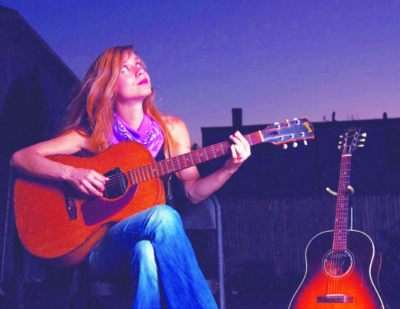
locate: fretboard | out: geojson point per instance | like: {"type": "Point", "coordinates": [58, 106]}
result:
{"type": "Point", "coordinates": [342, 205]}
{"type": "Point", "coordinates": [168, 166]}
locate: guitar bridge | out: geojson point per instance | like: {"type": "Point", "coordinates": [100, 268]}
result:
{"type": "Point", "coordinates": [335, 298]}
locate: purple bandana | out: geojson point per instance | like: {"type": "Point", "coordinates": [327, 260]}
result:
{"type": "Point", "coordinates": [149, 133]}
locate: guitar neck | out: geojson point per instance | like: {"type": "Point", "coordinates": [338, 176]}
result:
{"type": "Point", "coordinates": [342, 205]}
{"type": "Point", "coordinates": [169, 166]}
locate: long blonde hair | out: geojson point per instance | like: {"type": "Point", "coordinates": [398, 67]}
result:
{"type": "Point", "coordinates": [91, 111]}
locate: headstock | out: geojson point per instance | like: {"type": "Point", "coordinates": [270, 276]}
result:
{"type": "Point", "coordinates": [351, 140]}
{"type": "Point", "coordinates": [289, 131]}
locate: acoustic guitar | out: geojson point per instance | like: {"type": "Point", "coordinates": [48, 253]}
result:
{"type": "Point", "coordinates": [61, 225]}
{"type": "Point", "coordinates": [342, 266]}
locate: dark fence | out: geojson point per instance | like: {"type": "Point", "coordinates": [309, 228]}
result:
{"type": "Point", "coordinates": [275, 231]}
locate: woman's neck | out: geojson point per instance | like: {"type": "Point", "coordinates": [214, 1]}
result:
{"type": "Point", "coordinates": [132, 114]}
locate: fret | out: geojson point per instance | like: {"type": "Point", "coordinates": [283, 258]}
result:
{"type": "Point", "coordinates": [147, 173]}
{"type": "Point", "coordinates": [199, 156]}
{"type": "Point", "coordinates": [162, 168]}
{"type": "Point", "coordinates": [191, 157]}
{"type": "Point", "coordinates": [188, 160]}
{"type": "Point", "coordinates": [341, 221]}
{"type": "Point", "coordinates": [222, 148]}
{"type": "Point", "coordinates": [183, 162]}
{"type": "Point", "coordinates": [142, 174]}
{"type": "Point", "coordinates": [155, 170]}
{"type": "Point", "coordinates": [129, 177]}
{"type": "Point", "coordinates": [205, 153]}
{"type": "Point", "coordinates": [137, 175]}
{"type": "Point", "coordinates": [159, 169]}
{"type": "Point", "coordinates": [215, 155]}
{"type": "Point", "coordinates": [166, 166]}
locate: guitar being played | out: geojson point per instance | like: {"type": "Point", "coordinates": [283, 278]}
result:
{"type": "Point", "coordinates": [109, 207]}
{"type": "Point", "coordinates": [133, 186]}
{"type": "Point", "coordinates": [342, 266]}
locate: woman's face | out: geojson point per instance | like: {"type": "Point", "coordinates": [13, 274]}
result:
{"type": "Point", "coordinates": [133, 81]}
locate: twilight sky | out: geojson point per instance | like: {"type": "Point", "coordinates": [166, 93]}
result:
{"type": "Point", "coordinates": [274, 59]}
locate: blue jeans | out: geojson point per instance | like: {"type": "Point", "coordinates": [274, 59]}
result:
{"type": "Point", "coordinates": [164, 270]}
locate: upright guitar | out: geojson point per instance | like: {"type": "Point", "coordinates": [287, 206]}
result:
{"type": "Point", "coordinates": [57, 223]}
{"type": "Point", "coordinates": [342, 266]}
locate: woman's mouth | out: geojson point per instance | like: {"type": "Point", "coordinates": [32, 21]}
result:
{"type": "Point", "coordinates": [143, 82]}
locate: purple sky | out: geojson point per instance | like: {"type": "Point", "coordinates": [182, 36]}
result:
{"type": "Point", "coordinates": [275, 59]}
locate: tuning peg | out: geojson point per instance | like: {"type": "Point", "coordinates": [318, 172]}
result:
{"type": "Point", "coordinates": [295, 144]}
{"type": "Point", "coordinates": [285, 146]}
{"type": "Point", "coordinates": [305, 143]}
{"type": "Point", "coordinates": [362, 140]}
{"type": "Point", "coordinates": [339, 147]}
{"type": "Point", "coordinates": [340, 142]}
{"type": "Point", "coordinates": [364, 134]}
{"type": "Point", "coordinates": [361, 145]}
{"type": "Point", "coordinates": [340, 136]}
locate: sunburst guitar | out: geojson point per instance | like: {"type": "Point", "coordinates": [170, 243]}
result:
{"type": "Point", "coordinates": [61, 225]}
{"type": "Point", "coordinates": [342, 265]}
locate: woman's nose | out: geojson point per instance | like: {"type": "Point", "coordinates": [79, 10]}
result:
{"type": "Point", "coordinates": [139, 72]}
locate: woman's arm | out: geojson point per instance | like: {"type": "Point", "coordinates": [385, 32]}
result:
{"type": "Point", "coordinates": [32, 160]}
{"type": "Point", "coordinates": [197, 188]}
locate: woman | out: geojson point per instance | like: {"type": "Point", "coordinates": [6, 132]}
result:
{"type": "Point", "coordinates": [115, 104]}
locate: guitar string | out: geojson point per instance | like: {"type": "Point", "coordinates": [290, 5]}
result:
{"type": "Point", "coordinates": [332, 258]}
{"type": "Point", "coordinates": [335, 251]}
{"type": "Point", "coordinates": [179, 161]}
{"type": "Point", "coordinates": [341, 245]}
{"type": "Point", "coordinates": [209, 151]}
{"type": "Point", "coordinates": [118, 178]}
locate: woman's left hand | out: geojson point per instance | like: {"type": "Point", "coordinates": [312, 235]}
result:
{"type": "Point", "coordinates": [240, 150]}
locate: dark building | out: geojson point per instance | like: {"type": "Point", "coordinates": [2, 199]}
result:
{"type": "Point", "coordinates": [35, 85]}
{"type": "Point", "coordinates": [308, 170]}
{"type": "Point", "coordinates": [35, 88]}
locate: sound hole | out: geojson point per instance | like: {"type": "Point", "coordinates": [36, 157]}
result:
{"type": "Point", "coordinates": [338, 263]}
{"type": "Point", "coordinates": [117, 185]}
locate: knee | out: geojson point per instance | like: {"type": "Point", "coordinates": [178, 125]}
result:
{"type": "Point", "coordinates": [143, 252]}
{"type": "Point", "coordinates": [166, 216]}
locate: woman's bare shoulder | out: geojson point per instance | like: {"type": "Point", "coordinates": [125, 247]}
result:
{"type": "Point", "coordinates": [174, 124]}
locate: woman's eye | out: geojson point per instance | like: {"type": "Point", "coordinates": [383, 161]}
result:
{"type": "Point", "coordinates": [139, 65]}
{"type": "Point", "coordinates": [124, 69]}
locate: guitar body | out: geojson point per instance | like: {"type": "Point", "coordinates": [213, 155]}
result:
{"type": "Point", "coordinates": [62, 225]}
{"type": "Point", "coordinates": [350, 283]}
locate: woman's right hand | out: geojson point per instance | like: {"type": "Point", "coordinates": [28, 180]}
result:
{"type": "Point", "coordinates": [87, 181]}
